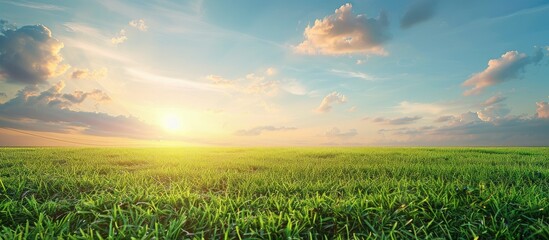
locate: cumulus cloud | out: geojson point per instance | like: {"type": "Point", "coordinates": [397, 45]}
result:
{"type": "Point", "coordinates": [508, 67]}
{"type": "Point", "coordinates": [396, 121]}
{"type": "Point", "coordinates": [346, 33]}
{"type": "Point", "coordinates": [139, 24]}
{"type": "Point", "coordinates": [29, 55]}
{"type": "Point", "coordinates": [493, 112]}
{"type": "Point", "coordinates": [89, 74]}
{"type": "Point", "coordinates": [543, 110]}
{"type": "Point", "coordinates": [419, 11]}
{"type": "Point", "coordinates": [52, 111]}
{"type": "Point", "coordinates": [336, 133]}
{"type": "Point", "coordinates": [329, 100]}
{"type": "Point", "coordinates": [256, 131]}
{"type": "Point", "coordinates": [119, 38]}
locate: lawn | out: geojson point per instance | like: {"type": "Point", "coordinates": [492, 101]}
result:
{"type": "Point", "coordinates": [274, 193]}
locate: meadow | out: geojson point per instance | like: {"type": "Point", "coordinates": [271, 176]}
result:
{"type": "Point", "coordinates": [274, 193]}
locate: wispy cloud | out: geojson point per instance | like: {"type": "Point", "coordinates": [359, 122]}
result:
{"type": "Point", "coordinates": [346, 33]}
{"type": "Point", "coordinates": [89, 74]}
{"type": "Point", "coordinates": [35, 5]}
{"type": "Point", "coordinates": [336, 133]}
{"type": "Point", "coordinates": [396, 121]}
{"type": "Point", "coordinates": [256, 131]}
{"type": "Point", "coordinates": [351, 74]}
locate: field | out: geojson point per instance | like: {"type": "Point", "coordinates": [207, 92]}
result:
{"type": "Point", "coordinates": [274, 193]}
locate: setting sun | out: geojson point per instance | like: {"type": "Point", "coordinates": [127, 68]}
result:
{"type": "Point", "coordinates": [171, 123]}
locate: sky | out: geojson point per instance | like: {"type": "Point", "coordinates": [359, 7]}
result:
{"type": "Point", "coordinates": [274, 73]}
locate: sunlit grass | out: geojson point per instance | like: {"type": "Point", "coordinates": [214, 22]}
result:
{"type": "Point", "coordinates": [272, 193]}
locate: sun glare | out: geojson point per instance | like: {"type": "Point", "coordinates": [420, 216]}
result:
{"type": "Point", "coordinates": [171, 123]}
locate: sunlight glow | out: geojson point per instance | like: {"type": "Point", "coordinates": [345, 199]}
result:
{"type": "Point", "coordinates": [171, 123]}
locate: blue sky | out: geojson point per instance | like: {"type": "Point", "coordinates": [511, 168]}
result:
{"type": "Point", "coordinates": [419, 72]}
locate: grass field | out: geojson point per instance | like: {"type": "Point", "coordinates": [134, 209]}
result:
{"type": "Point", "coordinates": [274, 193]}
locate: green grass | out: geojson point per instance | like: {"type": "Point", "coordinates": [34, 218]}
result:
{"type": "Point", "coordinates": [274, 193]}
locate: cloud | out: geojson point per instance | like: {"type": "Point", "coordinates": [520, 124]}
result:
{"type": "Point", "coordinates": [270, 71]}
{"type": "Point", "coordinates": [416, 107]}
{"type": "Point", "coordinates": [493, 112]}
{"type": "Point", "coordinates": [468, 129]}
{"type": "Point", "coordinates": [352, 109]}
{"type": "Point", "coordinates": [52, 111]}
{"type": "Point", "coordinates": [256, 131]}
{"type": "Point", "coordinates": [139, 24]}
{"type": "Point", "coordinates": [89, 74]}
{"type": "Point", "coordinates": [444, 118]}
{"type": "Point", "coordinates": [508, 67]}
{"type": "Point", "coordinates": [543, 110]}
{"type": "Point", "coordinates": [120, 38]}
{"type": "Point", "coordinates": [418, 12]}
{"type": "Point", "coordinates": [259, 84]}
{"type": "Point", "coordinates": [345, 33]}
{"type": "Point", "coordinates": [336, 133]}
{"type": "Point", "coordinates": [329, 100]}
{"type": "Point", "coordinates": [359, 75]}
{"type": "Point", "coordinates": [493, 100]}
{"type": "Point", "coordinates": [29, 55]}
{"type": "Point", "coordinates": [397, 121]}
{"type": "Point", "coordinates": [218, 80]}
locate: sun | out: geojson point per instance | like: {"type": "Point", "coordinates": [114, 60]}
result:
{"type": "Point", "coordinates": [171, 122]}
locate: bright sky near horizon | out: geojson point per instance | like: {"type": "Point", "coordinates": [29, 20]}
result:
{"type": "Point", "coordinates": [269, 73]}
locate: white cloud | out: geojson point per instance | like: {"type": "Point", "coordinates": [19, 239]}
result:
{"type": "Point", "coordinates": [508, 67]}
{"type": "Point", "coordinates": [29, 55]}
{"type": "Point", "coordinates": [329, 100]}
{"type": "Point", "coordinates": [120, 38]}
{"type": "Point", "coordinates": [346, 33]}
{"type": "Point", "coordinates": [139, 24]}
{"type": "Point", "coordinates": [270, 71]}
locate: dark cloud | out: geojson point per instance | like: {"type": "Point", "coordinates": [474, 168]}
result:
{"type": "Point", "coordinates": [482, 129]}
{"type": "Point", "coordinates": [29, 55]}
{"type": "Point", "coordinates": [335, 132]}
{"type": "Point", "coordinates": [417, 12]}
{"type": "Point", "coordinates": [52, 111]}
{"type": "Point", "coordinates": [258, 130]}
{"type": "Point", "coordinates": [508, 67]}
{"type": "Point", "coordinates": [396, 121]}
